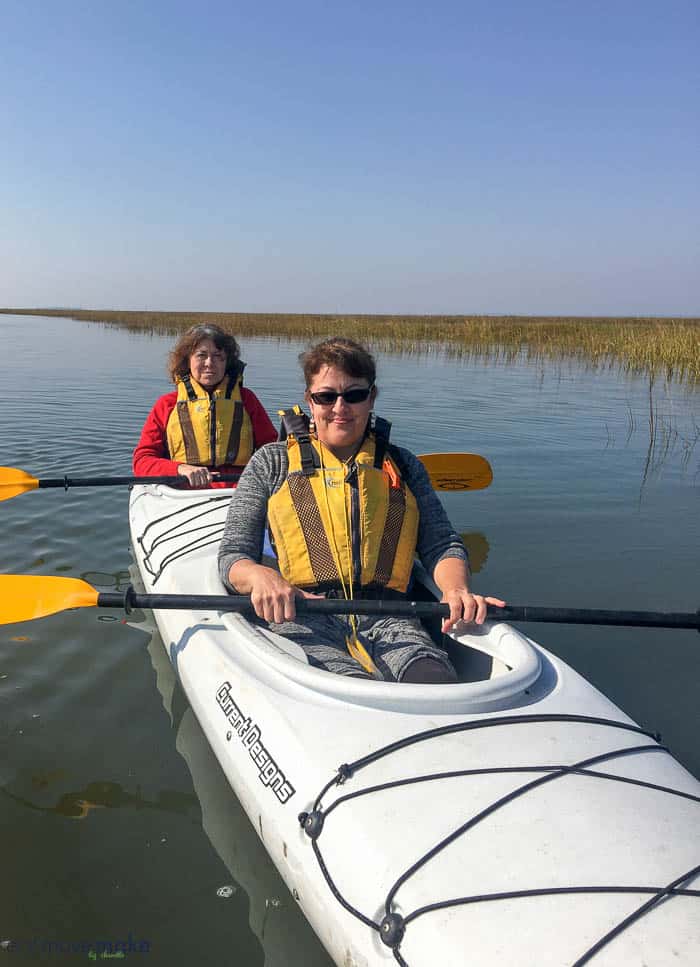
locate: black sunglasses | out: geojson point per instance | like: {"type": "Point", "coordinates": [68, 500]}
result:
{"type": "Point", "coordinates": [328, 397]}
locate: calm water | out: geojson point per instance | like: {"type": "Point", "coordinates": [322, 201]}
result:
{"type": "Point", "coordinates": [116, 822]}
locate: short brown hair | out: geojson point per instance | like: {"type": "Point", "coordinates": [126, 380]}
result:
{"type": "Point", "coordinates": [179, 358]}
{"type": "Point", "coordinates": [345, 354]}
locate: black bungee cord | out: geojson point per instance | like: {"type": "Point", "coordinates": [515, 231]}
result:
{"type": "Point", "coordinates": [393, 926]}
{"type": "Point", "coordinates": [208, 533]}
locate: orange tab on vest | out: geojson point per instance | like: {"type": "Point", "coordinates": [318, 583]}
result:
{"type": "Point", "coordinates": [390, 470]}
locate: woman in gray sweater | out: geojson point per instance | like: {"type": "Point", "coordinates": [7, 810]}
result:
{"type": "Point", "coordinates": [347, 511]}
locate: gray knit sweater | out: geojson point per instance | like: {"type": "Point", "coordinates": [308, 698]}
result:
{"type": "Point", "coordinates": [266, 472]}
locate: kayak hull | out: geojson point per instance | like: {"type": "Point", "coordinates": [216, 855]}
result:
{"type": "Point", "coordinates": [516, 817]}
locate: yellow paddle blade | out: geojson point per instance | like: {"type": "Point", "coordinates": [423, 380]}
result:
{"type": "Point", "coordinates": [24, 597]}
{"type": "Point", "coordinates": [14, 481]}
{"type": "Point", "coordinates": [457, 471]}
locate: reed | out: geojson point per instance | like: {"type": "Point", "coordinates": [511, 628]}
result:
{"type": "Point", "coordinates": [666, 347]}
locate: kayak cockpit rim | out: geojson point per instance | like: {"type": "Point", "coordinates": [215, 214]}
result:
{"type": "Point", "coordinates": [518, 667]}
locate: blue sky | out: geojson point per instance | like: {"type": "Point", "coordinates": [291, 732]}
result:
{"type": "Point", "coordinates": [443, 157]}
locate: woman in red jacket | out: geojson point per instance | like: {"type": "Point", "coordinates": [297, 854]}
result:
{"type": "Point", "coordinates": [210, 424]}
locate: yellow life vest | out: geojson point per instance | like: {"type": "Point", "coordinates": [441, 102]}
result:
{"type": "Point", "coordinates": [336, 525]}
{"type": "Point", "coordinates": [210, 429]}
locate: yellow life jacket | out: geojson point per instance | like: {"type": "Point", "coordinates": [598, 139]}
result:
{"type": "Point", "coordinates": [336, 525]}
{"type": "Point", "coordinates": [210, 429]}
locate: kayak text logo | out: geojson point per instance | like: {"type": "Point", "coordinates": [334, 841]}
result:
{"type": "Point", "coordinates": [249, 734]}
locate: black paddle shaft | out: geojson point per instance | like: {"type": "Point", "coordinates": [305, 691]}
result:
{"type": "Point", "coordinates": [173, 481]}
{"type": "Point", "coordinates": [130, 599]}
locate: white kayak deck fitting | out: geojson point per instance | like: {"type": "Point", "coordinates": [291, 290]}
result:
{"type": "Point", "coordinates": [518, 817]}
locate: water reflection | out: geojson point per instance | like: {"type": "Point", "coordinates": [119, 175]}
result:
{"type": "Point", "coordinates": [101, 795]}
{"type": "Point", "coordinates": [478, 549]}
{"type": "Point", "coordinates": [103, 579]}
{"type": "Point", "coordinates": [274, 916]}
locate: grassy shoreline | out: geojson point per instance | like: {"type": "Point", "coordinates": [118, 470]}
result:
{"type": "Point", "coordinates": [659, 346]}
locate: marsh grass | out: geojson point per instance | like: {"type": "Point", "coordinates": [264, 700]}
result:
{"type": "Point", "coordinates": [665, 438]}
{"type": "Point", "coordinates": [663, 347]}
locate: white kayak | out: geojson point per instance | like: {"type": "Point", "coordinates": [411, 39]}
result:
{"type": "Point", "coordinates": [517, 817]}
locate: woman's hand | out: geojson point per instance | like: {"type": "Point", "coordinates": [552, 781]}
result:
{"type": "Point", "coordinates": [271, 596]}
{"type": "Point", "coordinates": [465, 606]}
{"type": "Point", "coordinates": [452, 577]}
{"type": "Point", "coordinates": [196, 476]}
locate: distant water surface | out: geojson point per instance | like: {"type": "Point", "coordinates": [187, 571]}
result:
{"type": "Point", "coordinates": [117, 820]}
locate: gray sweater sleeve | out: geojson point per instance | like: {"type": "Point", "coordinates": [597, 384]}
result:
{"type": "Point", "coordinates": [265, 473]}
{"type": "Point", "coordinates": [437, 537]}
{"type": "Point", "coordinates": [244, 533]}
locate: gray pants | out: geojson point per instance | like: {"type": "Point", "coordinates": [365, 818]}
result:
{"type": "Point", "coordinates": [393, 644]}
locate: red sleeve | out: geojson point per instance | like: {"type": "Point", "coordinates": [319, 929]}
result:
{"type": "Point", "coordinates": [151, 454]}
{"type": "Point", "coordinates": [263, 430]}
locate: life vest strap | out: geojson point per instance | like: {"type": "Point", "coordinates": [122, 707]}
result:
{"type": "Point", "coordinates": [297, 424]}
{"type": "Point", "coordinates": [382, 431]}
{"type": "Point", "coordinates": [191, 394]}
{"type": "Point", "coordinates": [236, 374]}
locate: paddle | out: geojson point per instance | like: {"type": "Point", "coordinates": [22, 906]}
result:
{"type": "Point", "coordinates": [24, 597]}
{"type": "Point", "coordinates": [447, 471]}
{"type": "Point", "coordinates": [14, 482]}
{"type": "Point", "coordinates": [457, 471]}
